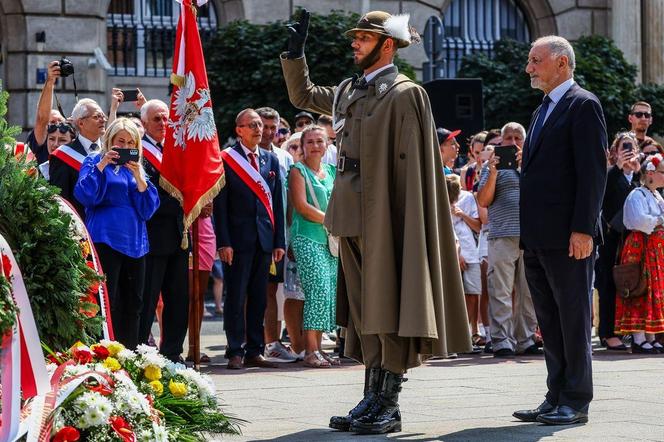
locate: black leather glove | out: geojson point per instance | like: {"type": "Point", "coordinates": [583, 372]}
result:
{"type": "Point", "coordinates": [298, 35]}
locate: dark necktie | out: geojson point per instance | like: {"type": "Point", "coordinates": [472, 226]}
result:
{"type": "Point", "coordinates": [252, 160]}
{"type": "Point", "coordinates": [93, 147]}
{"type": "Point", "coordinates": [360, 83]}
{"type": "Point", "coordinates": [534, 134]}
{"type": "Point", "coordinates": [159, 145]}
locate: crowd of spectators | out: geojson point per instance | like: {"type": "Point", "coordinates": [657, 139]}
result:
{"type": "Point", "coordinates": [133, 223]}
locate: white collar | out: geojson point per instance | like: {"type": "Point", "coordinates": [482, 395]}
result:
{"type": "Point", "coordinates": [87, 143]}
{"type": "Point", "coordinates": [152, 140]}
{"type": "Point", "coordinates": [628, 176]}
{"type": "Point", "coordinates": [247, 151]}
{"type": "Point", "coordinates": [557, 93]}
{"type": "Point", "coordinates": [370, 76]}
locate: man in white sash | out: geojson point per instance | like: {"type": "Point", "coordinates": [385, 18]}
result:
{"type": "Point", "coordinates": [166, 264]}
{"type": "Point", "coordinates": [249, 223]}
{"type": "Point", "coordinates": [65, 161]}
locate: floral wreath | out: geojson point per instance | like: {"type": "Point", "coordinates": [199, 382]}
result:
{"type": "Point", "coordinates": [653, 161]}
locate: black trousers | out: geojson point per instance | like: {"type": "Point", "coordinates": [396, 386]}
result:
{"type": "Point", "coordinates": [605, 284]}
{"type": "Point", "coordinates": [560, 287]}
{"type": "Point", "coordinates": [125, 278]}
{"type": "Point", "coordinates": [244, 307]}
{"type": "Point", "coordinates": [168, 275]}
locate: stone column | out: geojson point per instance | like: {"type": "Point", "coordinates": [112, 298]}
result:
{"type": "Point", "coordinates": [626, 30]}
{"type": "Point", "coordinates": [653, 41]}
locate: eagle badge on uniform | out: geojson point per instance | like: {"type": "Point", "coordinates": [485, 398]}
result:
{"type": "Point", "coordinates": [382, 88]}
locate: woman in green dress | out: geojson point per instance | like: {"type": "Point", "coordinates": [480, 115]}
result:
{"type": "Point", "coordinates": [315, 264]}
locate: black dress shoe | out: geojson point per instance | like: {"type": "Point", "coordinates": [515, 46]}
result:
{"type": "Point", "coordinates": [531, 415]}
{"type": "Point", "coordinates": [563, 415]}
{"type": "Point", "coordinates": [503, 353]}
{"type": "Point", "coordinates": [604, 343]}
{"type": "Point", "coordinates": [638, 348]}
{"type": "Point", "coordinates": [488, 348]}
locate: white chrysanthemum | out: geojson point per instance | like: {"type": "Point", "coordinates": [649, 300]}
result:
{"type": "Point", "coordinates": [132, 402]}
{"type": "Point", "coordinates": [75, 370]}
{"type": "Point", "coordinates": [152, 359]}
{"type": "Point", "coordinates": [160, 433]}
{"type": "Point", "coordinates": [173, 367]}
{"type": "Point", "coordinates": [125, 355]}
{"type": "Point", "coordinates": [124, 380]}
{"type": "Point", "coordinates": [143, 349]}
{"type": "Point", "coordinates": [203, 382]}
{"type": "Point", "coordinates": [95, 409]}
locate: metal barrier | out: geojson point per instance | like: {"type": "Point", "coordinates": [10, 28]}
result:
{"type": "Point", "coordinates": [141, 34]}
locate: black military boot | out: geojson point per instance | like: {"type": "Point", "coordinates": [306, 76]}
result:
{"type": "Point", "coordinates": [384, 415]}
{"type": "Point", "coordinates": [372, 382]}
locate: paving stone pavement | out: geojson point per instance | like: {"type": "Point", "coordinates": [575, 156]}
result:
{"type": "Point", "coordinates": [467, 399]}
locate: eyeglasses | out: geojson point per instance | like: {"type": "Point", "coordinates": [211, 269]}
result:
{"type": "Point", "coordinates": [97, 117]}
{"type": "Point", "coordinates": [284, 131]}
{"type": "Point", "coordinates": [303, 123]}
{"type": "Point", "coordinates": [62, 127]}
{"type": "Point", "coordinates": [642, 114]}
{"type": "Point", "coordinates": [253, 125]}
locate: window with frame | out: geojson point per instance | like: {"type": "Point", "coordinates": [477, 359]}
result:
{"type": "Point", "coordinates": [141, 35]}
{"type": "Point", "coordinates": [474, 26]}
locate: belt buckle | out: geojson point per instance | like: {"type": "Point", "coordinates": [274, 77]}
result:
{"type": "Point", "coordinates": [341, 163]}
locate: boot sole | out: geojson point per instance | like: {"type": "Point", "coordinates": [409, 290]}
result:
{"type": "Point", "coordinates": [340, 427]}
{"type": "Point", "coordinates": [393, 428]}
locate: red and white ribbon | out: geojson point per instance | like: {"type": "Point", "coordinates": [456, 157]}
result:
{"type": "Point", "coordinates": [152, 154]}
{"type": "Point", "coordinates": [23, 367]}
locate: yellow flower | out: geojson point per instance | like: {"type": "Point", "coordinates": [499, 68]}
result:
{"type": "Point", "coordinates": [178, 389]}
{"type": "Point", "coordinates": [157, 387]}
{"type": "Point", "coordinates": [114, 348]}
{"type": "Point", "coordinates": [152, 373]}
{"type": "Point", "coordinates": [112, 364]}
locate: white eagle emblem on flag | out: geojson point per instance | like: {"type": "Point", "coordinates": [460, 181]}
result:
{"type": "Point", "coordinates": [195, 118]}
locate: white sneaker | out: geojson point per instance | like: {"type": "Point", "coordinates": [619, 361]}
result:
{"type": "Point", "coordinates": [326, 341]}
{"type": "Point", "coordinates": [278, 352]}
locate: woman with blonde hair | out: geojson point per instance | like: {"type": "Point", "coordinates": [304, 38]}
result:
{"type": "Point", "coordinates": [118, 200]}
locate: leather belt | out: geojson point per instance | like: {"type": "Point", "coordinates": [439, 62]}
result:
{"type": "Point", "coordinates": [345, 164]}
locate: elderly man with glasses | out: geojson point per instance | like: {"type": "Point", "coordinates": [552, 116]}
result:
{"type": "Point", "coordinates": [65, 161]}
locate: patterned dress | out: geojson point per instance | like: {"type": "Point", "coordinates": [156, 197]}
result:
{"type": "Point", "coordinates": [317, 268]}
{"type": "Point", "coordinates": [641, 215]}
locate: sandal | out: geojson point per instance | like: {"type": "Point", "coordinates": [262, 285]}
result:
{"type": "Point", "coordinates": [316, 360]}
{"type": "Point", "coordinates": [205, 359]}
{"type": "Point", "coordinates": [478, 340]}
{"type": "Point", "coordinates": [330, 359]}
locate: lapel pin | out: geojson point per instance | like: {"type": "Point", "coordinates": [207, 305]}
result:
{"type": "Point", "coordinates": [382, 88]}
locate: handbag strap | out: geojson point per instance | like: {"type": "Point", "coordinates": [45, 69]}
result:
{"type": "Point", "coordinates": [311, 190]}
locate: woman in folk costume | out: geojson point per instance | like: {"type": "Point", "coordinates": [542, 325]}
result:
{"type": "Point", "coordinates": [400, 293]}
{"type": "Point", "coordinates": [643, 214]}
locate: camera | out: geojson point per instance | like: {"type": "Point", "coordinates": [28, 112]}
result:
{"type": "Point", "coordinates": [66, 67]}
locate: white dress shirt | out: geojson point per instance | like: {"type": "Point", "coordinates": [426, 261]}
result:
{"type": "Point", "coordinates": [643, 210]}
{"type": "Point", "coordinates": [371, 75]}
{"type": "Point", "coordinates": [88, 143]}
{"type": "Point", "coordinates": [557, 94]}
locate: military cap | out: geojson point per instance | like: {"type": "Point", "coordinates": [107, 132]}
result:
{"type": "Point", "coordinates": [384, 23]}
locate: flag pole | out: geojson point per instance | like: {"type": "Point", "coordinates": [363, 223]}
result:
{"type": "Point", "coordinates": [195, 301]}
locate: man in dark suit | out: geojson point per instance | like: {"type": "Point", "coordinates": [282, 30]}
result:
{"type": "Point", "coordinates": [166, 264]}
{"type": "Point", "coordinates": [563, 175]}
{"type": "Point", "coordinates": [65, 161]}
{"type": "Point", "coordinates": [249, 223]}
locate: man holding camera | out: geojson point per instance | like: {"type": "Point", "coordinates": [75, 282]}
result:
{"type": "Point", "coordinates": [512, 326]}
{"type": "Point", "coordinates": [66, 161]}
{"type": "Point", "coordinates": [400, 296]}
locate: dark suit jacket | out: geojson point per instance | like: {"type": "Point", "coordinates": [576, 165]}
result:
{"type": "Point", "coordinates": [240, 219]}
{"type": "Point", "coordinates": [166, 226]}
{"type": "Point", "coordinates": [563, 173]}
{"type": "Point", "coordinates": [65, 177]}
{"type": "Point", "coordinates": [617, 189]}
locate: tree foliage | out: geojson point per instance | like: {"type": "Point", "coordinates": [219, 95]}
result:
{"type": "Point", "coordinates": [600, 68]}
{"type": "Point", "coordinates": [244, 70]}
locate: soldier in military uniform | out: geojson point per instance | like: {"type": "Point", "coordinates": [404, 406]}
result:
{"type": "Point", "coordinates": [400, 293]}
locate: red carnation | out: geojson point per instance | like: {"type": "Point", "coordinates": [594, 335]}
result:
{"type": "Point", "coordinates": [100, 352]}
{"type": "Point", "coordinates": [67, 434]}
{"type": "Point", "coordinates": [122, 428]}
{"type": "Point", "coordinates": [654, 161]}
{"type": "Point", "coordinates": [6, 265]}
{"type": "Point", "coordinates": [82, 355]}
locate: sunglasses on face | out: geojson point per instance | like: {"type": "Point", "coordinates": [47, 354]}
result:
{"type": "Point", "coordinates": [303, 123]}
{"type": "Point", "coordinates": [62, 127]}
{"type": "Point", "coordinates": [284, 131]}
{"type": "Point", "coordinates": [642, 114]}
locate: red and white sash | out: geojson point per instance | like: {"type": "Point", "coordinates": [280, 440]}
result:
{"type": "Point", "coordinates": [70, 156]}
{"type": "Point", "coordinates": [152, 154]}
{"type": "Point", "coordinates": [23, 367]}
{"type": "Point", "coordinates": [251, 177]}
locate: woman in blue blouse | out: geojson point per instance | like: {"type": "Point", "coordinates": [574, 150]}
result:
{"type": "Point", "coordinates": [118, 200]}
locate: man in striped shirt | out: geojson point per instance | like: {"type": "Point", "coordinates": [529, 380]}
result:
{"type": "Point", "coordinates": [512, 329]}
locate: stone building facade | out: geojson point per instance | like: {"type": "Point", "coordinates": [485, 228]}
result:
{"type": "Point", "coordinates": [34, 32]}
